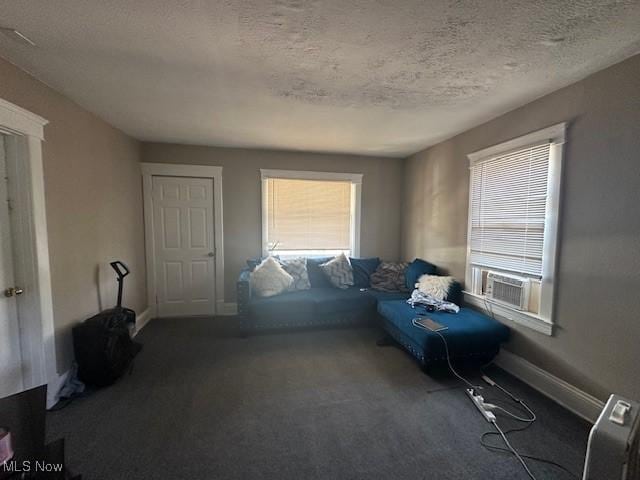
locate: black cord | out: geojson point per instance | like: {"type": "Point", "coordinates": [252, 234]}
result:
{"type": "Point", "coordinates": [513, 450]}
{"type": "Point", "coordinates": [522, 407]}
{"type": "Point", "coordinates": [446, 350]}
{"type": "Point", "coordinates": [497, 448]}
{"type": "Point", "coordinates": [503, 434]}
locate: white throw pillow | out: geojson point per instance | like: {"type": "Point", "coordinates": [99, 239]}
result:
{"type": "Point", "coordinates": [435, 285]}
{"type": "Point", "coordinates": [269, 278]}
{"type": "Point", "coordinates": [339, 271]}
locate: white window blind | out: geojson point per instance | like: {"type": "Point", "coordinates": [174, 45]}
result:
{"type": "Point", "coordinates": [308, 214]}
{"type": "Point", "coordinates": [508, 207]}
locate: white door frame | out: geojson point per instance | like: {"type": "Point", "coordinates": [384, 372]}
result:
{"type": "Point", "coordinates": [149, 170]}
{"type": "Point", "coordinates": [31, 261]}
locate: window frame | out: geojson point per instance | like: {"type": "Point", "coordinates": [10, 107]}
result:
{"type": "Point", "coordinates": [356, 200]}
{"type": "Point", "coordinates": [543, 321]}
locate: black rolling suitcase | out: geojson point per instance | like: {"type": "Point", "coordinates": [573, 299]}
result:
{"type": "Point", "coordinates": [102, 344]}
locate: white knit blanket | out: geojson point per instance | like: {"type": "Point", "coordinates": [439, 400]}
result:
{"type": "Point", "coordinates": [431, 303]}
{"type": "Point", "coordinates": [435, 286]}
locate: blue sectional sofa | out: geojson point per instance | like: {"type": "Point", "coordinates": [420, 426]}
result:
{"type": "Point", "coordinates": [471, 334]}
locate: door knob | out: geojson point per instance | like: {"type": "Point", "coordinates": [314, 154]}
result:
{"type": "Point", "coordinates": [13, 291]}
{"type": "Point", "coordinates": [211, 254]}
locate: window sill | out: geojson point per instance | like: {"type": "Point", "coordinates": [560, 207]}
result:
{"type": "Point", "coordinates": [505, 313]}
{"type": "Point", "coordinates": [307, 253]}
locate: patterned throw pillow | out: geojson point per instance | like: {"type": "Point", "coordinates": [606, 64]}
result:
{"type": "Point", "coordinates": [297, 268]}
{"type": "Point", "coordinates": [389, 277]}
{"type": "Point", "coordinates": [269, 278]}
{"type": "Point", "coordinates": [339, 271]}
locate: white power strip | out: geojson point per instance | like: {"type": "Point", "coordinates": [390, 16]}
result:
{"type": "Point", "coordinates": [478, 401]}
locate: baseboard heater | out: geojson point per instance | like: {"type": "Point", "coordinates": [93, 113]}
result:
{"type": "Point", "coordinates": [613, 451]}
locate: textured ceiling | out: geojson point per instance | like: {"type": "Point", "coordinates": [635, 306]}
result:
{"type": "Point", "coordinates": [384, 77]}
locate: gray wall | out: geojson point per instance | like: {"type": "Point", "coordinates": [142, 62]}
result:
{"type": "Point", "coordinates": [597, 312]}
{"type": "Point", "coordinates": [93, 194]}
{"type": "Point", "coordinates": [381, 195]}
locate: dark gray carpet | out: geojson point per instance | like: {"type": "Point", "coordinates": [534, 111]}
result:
{"type": "Point", "coordinates": [324, 404]}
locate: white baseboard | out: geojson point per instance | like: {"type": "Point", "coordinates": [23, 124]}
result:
{"type": "Point", "coordinates": [227, 309]}
{"type": "Point", "coordinates": [141, 320]}
{"type": "Point", "coordinates": [570, 397]}
{"type": "Point", "coordinates": [54, 386]}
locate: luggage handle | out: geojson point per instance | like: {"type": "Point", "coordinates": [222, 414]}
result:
{"type": "Point", "coordinates": [121, 269]}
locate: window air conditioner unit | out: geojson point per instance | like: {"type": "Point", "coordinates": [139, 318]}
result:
{"type": "Point", "coordinates": [508, 289]}
{"type": "Point", "coordinates": [613, 451]}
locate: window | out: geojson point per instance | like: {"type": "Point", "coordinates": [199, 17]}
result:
{"type": "Point", "coordinates": [508, 203]}
{"type": "Point", "coordinates": [513, 218]}
{"type": "Point", "coordinates": [310, 213]}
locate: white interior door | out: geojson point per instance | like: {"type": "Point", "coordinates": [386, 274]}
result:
{"type": "Point", "coordinates": [11, 376]}
{"type": "Point", "coordinates": [183, 223]}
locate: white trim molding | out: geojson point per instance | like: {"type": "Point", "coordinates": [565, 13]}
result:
{"type": "Point", "coordinates": [311, 175]}
{"type": "Point", "coordinates": [543, 320]}
{"type": "Point", "coordinates": [17, 120]}
{"type": "Point", "coordinates": [555, 134]}
{"type": "Point", "coordinates": [142, 320]}
{"type": "Point", "coordinates": [356, 199]}
{"type": "Point", "coordinates": [149, 170]}
{"type": "Point", "coordinates": [572, 398]}
{"type": "Point", "coordinates": [25, 133]}
{"type": "Point", "coordinates": [505, 314]}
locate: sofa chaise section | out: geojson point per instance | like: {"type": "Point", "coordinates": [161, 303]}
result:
{"type": "Point", "coordinates": [470, 335]}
